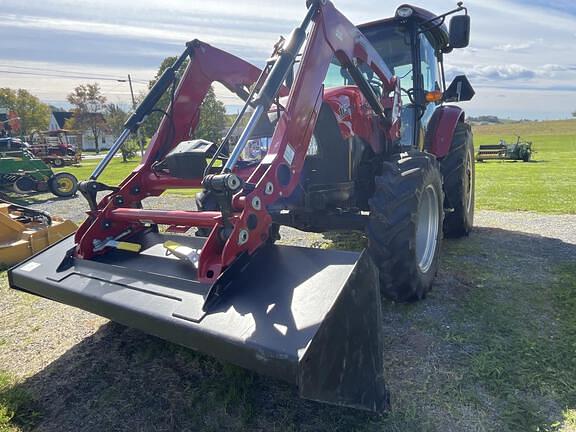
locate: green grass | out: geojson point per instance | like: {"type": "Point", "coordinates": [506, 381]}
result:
{"type": "Point", "coordinates": [113, 175]}
{"type": "Point", "coordinates": [500, 185]}
{"type": "Point", "coordinates": [17, 407]}
{"type": "Point", "coordinates": [115, 172]}
{"type": "Point", "coordinates": [546, 185]}
{"type": "Point", "coordinates": [522, 354]}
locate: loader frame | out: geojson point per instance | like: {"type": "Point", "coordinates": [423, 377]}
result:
{"type": "Point", "coordinates": [245, 226]}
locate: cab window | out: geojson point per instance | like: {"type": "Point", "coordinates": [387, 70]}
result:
{"type": "Point", "coordinates": [428, 65]}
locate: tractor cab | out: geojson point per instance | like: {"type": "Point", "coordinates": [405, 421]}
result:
{"type": "Point", "coordinates": [413, 44]}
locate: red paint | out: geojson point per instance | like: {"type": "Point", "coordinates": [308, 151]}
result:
{"type": "Point", "coordinates": [352, 111]}
{"type": "Point", "coordinates": [205, 219]}
{"type": "Point", "coordinates": [442, 126]}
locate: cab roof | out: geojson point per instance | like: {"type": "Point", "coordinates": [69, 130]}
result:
{"type": "Point", "coordinates": [438, 35]}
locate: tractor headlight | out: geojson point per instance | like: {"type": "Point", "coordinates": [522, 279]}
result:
{"type": "Point", "coordinates": [255, 149]}
{"type": "Point", "coordinates": [404, 12]}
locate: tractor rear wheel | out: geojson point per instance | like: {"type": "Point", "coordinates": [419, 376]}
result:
{"type": "Point", "coordinates": [205, 201]}
{"type": "Point", "coordinates": [63, 185]}
{"type": "Point", "coordinates": [459, 178]}
{"type": "Point", "coordinates": [405, 227]}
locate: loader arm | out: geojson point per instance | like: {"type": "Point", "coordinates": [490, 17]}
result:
{"type": "Point", "coordinates": [207, 65]}
{"type": "Point", "coordinates": [239, 233]}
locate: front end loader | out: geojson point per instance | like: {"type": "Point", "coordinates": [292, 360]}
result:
{"type": "Point", "coordinates": [350, 131]}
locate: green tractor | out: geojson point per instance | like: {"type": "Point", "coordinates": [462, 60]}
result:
{"type": "Point", "coordinates": [22, 172]}
{"type": "Point", "coordinates": [521, 150]}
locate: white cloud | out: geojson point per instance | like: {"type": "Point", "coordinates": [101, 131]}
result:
{"type": "Point", "coordinates": [521, 46]}
{"type": "Point", "coordinates": [508, 72]}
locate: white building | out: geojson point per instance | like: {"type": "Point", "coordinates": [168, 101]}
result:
{"type": "Point", "coordinates": [58, 120]}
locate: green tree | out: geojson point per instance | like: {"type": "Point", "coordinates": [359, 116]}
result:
{"type": "Point", "coordinates": [153, 121]}
{"type": "Point", "coordinates": [574, 114]}
{"type": "Point", "coordinates": [212, 111]}
{"type": "Point", "coordinates": [33, 113]}
{"type": "Point", "coordinates": [212, 118]}
{"type": "Point", "coordinates": [115, 118]}
{"type": "Point", "coordinates": [89, 104]}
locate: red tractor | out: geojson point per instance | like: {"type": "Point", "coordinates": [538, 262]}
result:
{"type": "Point", "coordinates": [55, 147]}
{"type": "Point", "coordinates": [348, 130]}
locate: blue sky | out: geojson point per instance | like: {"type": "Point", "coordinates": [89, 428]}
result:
{"type": "Point", "coordinates": [522, 59]}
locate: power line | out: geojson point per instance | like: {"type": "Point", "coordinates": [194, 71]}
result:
{"type": "Point", "coordinates": [97, 78]}
{"type": "Point", "coordinates": [56, 70]}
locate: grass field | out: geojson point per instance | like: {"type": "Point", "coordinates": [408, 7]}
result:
{"type": "Point", "coordinates": [113, 175]}
{"type": "Point", "coordinates": [545, 185]}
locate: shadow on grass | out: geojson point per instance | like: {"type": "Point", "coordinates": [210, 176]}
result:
{"type": "Point", "coordinates": [491, 348]}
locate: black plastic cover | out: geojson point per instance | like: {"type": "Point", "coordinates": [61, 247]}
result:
{"type": "Point", "coordinates": [188, 159]}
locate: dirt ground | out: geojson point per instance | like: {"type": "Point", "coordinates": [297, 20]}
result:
{"type": "Point", "coordinates": [87, 374]}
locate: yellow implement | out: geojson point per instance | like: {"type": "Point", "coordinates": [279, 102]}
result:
{"type": "Point", "coordinates": [24, 232]}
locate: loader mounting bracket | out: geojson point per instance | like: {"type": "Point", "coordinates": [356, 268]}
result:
{"type": "Point", "coordinates": [89, 190]}
{"type": "Point", "coordinates": [218, 290]}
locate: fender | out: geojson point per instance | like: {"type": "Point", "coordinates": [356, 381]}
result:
{"type": "Point", "coordinates": [441, 129]}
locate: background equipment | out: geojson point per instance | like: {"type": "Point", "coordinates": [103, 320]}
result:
{"type": "Point", "coordinates": [23, 172]}
{"type": "Point", "coordinates": [521, 150]}
{"type": "Point", "coordinates": [25, 232]}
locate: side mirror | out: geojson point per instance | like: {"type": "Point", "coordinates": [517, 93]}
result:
{"type": "Point", "coordinates": [459, 90]}
{"type": "Point", "coordinates": [459, 31]}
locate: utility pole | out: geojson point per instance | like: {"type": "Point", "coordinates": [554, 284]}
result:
{"type": "Point", "coordinates": [140, 139]}
{"type": "Point", "coordinates": [139, 135]}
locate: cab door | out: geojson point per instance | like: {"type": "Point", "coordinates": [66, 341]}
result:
{"type": "Point", "coordinates": [429, 81]}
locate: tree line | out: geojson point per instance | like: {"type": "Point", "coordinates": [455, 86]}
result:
{"type": "Point", "coordinates": [92, 112]}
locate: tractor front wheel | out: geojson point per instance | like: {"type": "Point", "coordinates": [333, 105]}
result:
{"type": "Point", "coordinates": [63, 185]}
{"type": "Point", "coordinates": [459, 178]}
{"type": "Point", "coordinates": [405, 227]}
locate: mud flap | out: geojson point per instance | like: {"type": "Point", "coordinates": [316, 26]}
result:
{"type": "Point", "coordinates": [307, 316]}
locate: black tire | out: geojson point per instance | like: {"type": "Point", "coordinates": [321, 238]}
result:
{"type": "Point", "coordinates": [24, 185]}
{"type": "Point", "coordinates": [63, 185]}
{"type": "Point", "coordinates": [458, 172]}
{"type": "Point", "coordinates": [406, 187]}
{"type": "Point", "coordinates": [526, 157]}
{"type": "Point", "coordinates": [57, 163]}
{"type": "Point", "coordinates": [205, 201]}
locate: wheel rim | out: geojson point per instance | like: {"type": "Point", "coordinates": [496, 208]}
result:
{"type": "Point", "coordinates": [468, 182]}
{"type": "Point", "coordinates": [427, 229]}
{"type": "Point", "coordinates": [65, 185]}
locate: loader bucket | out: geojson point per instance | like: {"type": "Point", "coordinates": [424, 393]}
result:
{"type": "Point", "coordinates": [307, 316]}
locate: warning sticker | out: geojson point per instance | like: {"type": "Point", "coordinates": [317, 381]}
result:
{"type": "Point", "coordinates": [30, 266]}
{"type": "Point", "coordinates": [289, 154]}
